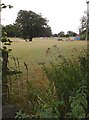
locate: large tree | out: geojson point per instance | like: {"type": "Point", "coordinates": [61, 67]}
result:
{"type": "Point", "coordinates": [83, 23]}
{"type": "Point", "coordinates": [71, 33]}
{"type": "Point", "coordinates": [83, 26]}
{"type": "Point", "coordinates": [32, 25]}
{"type": "Point", "coordinates": [11, 30]}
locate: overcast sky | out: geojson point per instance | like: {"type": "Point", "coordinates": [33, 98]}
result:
{"type": "Point", "coordinates": [63, 15]}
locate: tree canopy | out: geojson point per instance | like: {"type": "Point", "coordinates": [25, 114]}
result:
{"type": "Point", "coordinates": [31, 25]}
{"type": "Point", "coordinates": [11, 30]}
{"type": "Point", "coordinates": [61, 34]}
{"type": "Point", "coordinates": [83, 26]}
{"type": "Point", "coordinates": [71, 33]}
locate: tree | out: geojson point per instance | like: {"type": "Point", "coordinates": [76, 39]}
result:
{"type": "Point", "coordinates": [11, 30]}
{"type": "Point", "coordinates": [71, 33]}
{"type": "Point", "coordinates": [83, 23]}
{"type": "Point", "coordinates": [55, 35]}
{"type": "Point", "coordinates": [61, 34]}
{"type": "Point", "coordinates": [83, 26]}
{"type": "Point", "coordinates": [31, 25]}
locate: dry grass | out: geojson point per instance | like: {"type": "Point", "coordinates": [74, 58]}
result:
{"type": "Point", "coordinates": [33, 53]}
{"type": "Point", "coordinates": [37, 47]}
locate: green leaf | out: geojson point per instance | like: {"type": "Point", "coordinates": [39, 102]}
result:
{"type": "Point", "coordinates": [4, 6]}
{"type": "Point", "coordinates": [10, 6]}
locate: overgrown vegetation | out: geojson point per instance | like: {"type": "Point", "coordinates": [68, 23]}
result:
{"type": "Point", "coordinates": [61, 92]}
{"type": "Point", "coordinates": [69, 75]}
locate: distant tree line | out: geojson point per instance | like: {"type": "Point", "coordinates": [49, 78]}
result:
{"type": "Point", "coordinates": [82, 29]}
{"type": "Point", "coordinates": [62, 34]}
{"type": "Point", "coordinates": [29, 24]}
{"type": "Point", "coordinates": [13, 31]}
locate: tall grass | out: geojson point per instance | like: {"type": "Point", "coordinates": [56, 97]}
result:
{"type": "Point", "coordinates": [55, 90]}
{"type": "Point", "coordinates": [69, 76]}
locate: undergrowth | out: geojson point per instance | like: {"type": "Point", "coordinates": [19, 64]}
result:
{"type": "Point", "coordinates": [61, 92]}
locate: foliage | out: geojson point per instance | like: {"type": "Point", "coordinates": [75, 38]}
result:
{"type": "Point", "coordinates": [83, 26]}
{"type": "Point", "coordinates": [61, 34]}
{"type": "Point", "coordinates": [32, 25]}
{"type": "Point", "coordinates": [4, 38]}
{"type": "Point", "coordinates": [71, 33]}
{"type": "Point", "coordinates": [6, 72]}
{"type": "Point", "coordinates": [78, 102]}
{"type": "Point", "coordinates": [83, 23]}
{"type": "Point", "coordinates": [55, 35]}
{"type": "Point", "coordinates": [3, 6]}
{"type": "Point", "coordinates": [33, 97]}
{"type": "Point", "coordinates": [6, 41]}
{"type": "Point", "coordinates": [83, 35]}
{"type": "Point", "coordinates": [21, 115]}
{"type": "Point", "coordinates": [64, 95]}
{"type": "Point", "coordinates": [11, 30]}
{"type": "Point", "coordinates": [68, 77]}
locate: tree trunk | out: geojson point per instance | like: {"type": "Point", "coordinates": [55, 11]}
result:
{"type": "Point", "coordinates": [4, 77]}
{"type": "Point", "coordinates": [30, 39]}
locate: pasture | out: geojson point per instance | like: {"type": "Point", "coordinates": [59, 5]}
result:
{"type": "Point", "coordinates": [35, 50]}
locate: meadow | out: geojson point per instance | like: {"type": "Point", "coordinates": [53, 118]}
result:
{"type": "Point", "coordinates": [35, 50]}
{"type": "Point", "coordinates": [39, 90]}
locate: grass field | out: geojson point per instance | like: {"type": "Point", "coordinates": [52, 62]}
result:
{"type": "Point", "coordinates": [32, 53]}
{"type": "Point", "coordinates": [35, 50]}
